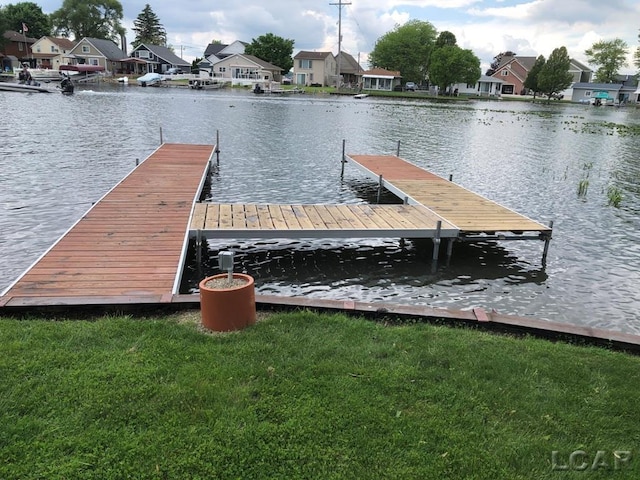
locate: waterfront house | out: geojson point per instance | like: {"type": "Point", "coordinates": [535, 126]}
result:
{"type": "Point", "coordinates": [217, 51]}
{"type": "Point", "coordinates": [16, 50]}
{"type": "Point", "coordinates": [380, 79]}
{"type": "Point", "coordinates": [350, 69]}
{"type": "Point", "coordinates": [243, 69]}
{"type": "Point", "coordinates": [586, 92]}
{"type": "Point", "coordinates": [97, 52]}
{"type": "Point", "coordinates": [486, 86]}
{"type": "Point", "coordinates": [314, 68]}
{"type": "Point", "coordinates": [50, 52]}
{"type": "Point", "coordinates": [513, 71]}
{"type": "Point", "coordinates": [154, 59]}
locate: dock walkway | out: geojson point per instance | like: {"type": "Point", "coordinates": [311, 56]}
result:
{"type": "Point", "coordinates": [129, 247]}
{"type": "Point", "coordinates": [470, 212]}
{"type": "Point", "coordinates": [212, 220]}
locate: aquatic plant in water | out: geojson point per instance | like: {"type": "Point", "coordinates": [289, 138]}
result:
{"type": "Point", "coordinates": [614, 194]}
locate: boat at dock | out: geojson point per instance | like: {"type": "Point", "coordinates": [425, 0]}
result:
{"type": "Point", "coordinates": [206, 84]}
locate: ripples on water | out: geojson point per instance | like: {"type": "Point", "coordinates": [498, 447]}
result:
{"type": "Point", "coordinates": [60, 154]}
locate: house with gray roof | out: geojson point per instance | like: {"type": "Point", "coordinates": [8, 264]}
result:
{"type": "Point", "coordinates": [350, 69]}
{"type": "Point", "coordinates": [97, 52]}
{"type": "Point", "coordinates": [154, 59]}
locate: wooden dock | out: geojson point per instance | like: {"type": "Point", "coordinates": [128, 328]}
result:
{"type": "Point", "coordinates": [212, 220]}
{"type": "Point", "coordinates": [476, 217]}
{"type": "Point", "coordinates": [129, 247]}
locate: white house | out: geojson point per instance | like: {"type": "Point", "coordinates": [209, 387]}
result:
{"type": "Point", "coordinates": [242, 69]}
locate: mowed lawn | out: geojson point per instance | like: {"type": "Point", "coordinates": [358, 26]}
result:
{"type": "Point", "coordinates": [307, 395]}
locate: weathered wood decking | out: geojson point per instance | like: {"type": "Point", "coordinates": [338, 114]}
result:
{"type": "Point", "coordinates": [129, 245]}
{"type": "Point", "coordinates": [212, 220]}
{"type": "Point", "coordinates": [472, 213]}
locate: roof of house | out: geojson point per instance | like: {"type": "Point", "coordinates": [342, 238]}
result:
{"type": "Point", "coordinates": [597, 86]}
{"type": "Point", "coordinates": [14, 36]}
{"type": "Point", "coordinates": [165, 54]}
{"type": "Point", "coordinates": [488, 79]}
{"type": "Point", "coordinates": [65, 43]}
{"type": "Point", "coordinates": [580, 65]}
{"type": "Point", "coordinates": [254, 59]}
{"type": "Point", "coordinates": [348, 64]}
{"type": "Point", "coordinates": [526, 62]}
{"type": "Point", "coordinates": [381, 72]}
{"type": "Point", "coordinates": [214, 48]}
{"type": "Point", "coordinates": [106, 47]}
{"type": "Point", "coordinates": [306, 55]}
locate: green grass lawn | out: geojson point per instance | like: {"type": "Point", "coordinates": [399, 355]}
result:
{"type": "Point", "coordinates": [304, 395]}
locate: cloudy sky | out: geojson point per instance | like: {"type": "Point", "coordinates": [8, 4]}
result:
{"type": "Point", "coordinates": [527, 27]}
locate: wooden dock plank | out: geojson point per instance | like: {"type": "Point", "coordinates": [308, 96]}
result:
{"type": "Point", "coordinates": [129, 244]}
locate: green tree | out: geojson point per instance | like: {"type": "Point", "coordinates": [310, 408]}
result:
{"type": "Point", "coordinates": [407, 49]}
{"type": "Point", "coordinates": [451, 64]}
{"type": "Point", "coordinates": [554, 75]}
{"type": "Point", "coordinates": [89, 18]}
{"type": "Point", "coordinates": [148, 29]}
{"type": "Point", "coordinates": [531, 82]}
{"type": "Point", "coordinates": [609, 56]}
{"type": "Point", "coordinates": [273, 49]}
{"type": "Point", "coordinates": [636, 56]}
{"type": "Point", "coordinates": [446, 38]}
{"type": "Point", "coordinates": [26, 13]}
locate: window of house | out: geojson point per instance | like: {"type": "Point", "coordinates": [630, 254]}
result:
{"type": "Point", "coordinates": [587, 93]}
{"type": "Point", "coordinates": [93, 61]}
{"type": "Point", "coordinates": [53, 49]}
{"type": "Point", "coordinates": [504, 72]}
{"type": "Point", "coordinates": [85, 49]}
{"type": "Point", "coordinates": [222, 69]}
{"type": "Point", "coordinates": [143, 53]}
{"type": "Point", "coordinates": [306, 64]}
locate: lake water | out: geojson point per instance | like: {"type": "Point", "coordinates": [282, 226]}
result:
{"type": "Point", "coordinates": [61, 153]}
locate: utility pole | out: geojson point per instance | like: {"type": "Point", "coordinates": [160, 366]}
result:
{"type": "Point", "coordinates": [340, 4]}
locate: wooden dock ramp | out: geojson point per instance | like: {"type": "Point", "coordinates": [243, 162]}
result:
{"type": "Point", "coordinates": [129, 247]}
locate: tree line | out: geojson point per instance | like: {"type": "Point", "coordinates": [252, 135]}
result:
{"type": "Point", "coordinates": [415, 48]}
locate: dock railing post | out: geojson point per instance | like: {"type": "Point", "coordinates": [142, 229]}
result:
{"type": "Point", "coordinates": [343, 157]}
{"type": "Point", "coordinates": [398, 150]}
{"type": "Point", "coordinates": [161, 142]}
{"type": "Point", "coordinates": [379, 189]}
{"type": "Point", "coordinates": [218, 147]}
{"type": "Point", "coordinates": [547, 239]}
{"type": "Point", "coordinates": [451, 177]}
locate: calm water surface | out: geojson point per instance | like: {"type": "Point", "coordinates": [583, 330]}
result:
{"type": "Point", "coordinates": [59, 154]}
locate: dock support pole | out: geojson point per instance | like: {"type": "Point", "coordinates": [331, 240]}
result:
{"type": "Point", "coordinates": [137, 162]}
{"type": "Point", "coordinates": [218, 147]}
{"type": "Point", "coordinates": [398, 150]}
{"type": "Point", "coordinates": [379, 188]}
{"type": "Point", "coordinates": [449, 248]}
{"type": "Point", "coordinates": [546, 245]}
{"type": "Point", "coordinates": [436, 248]}
{"type": "Point", "coordinates": [406, 201]}
{"type": "Point", "coordinates": [199, 250]}
{"type": "Point", "coordinates": [343, 157]}
{"type": "Point", "coordinates": [161, 142]}
{"type": "Point", "coordinates": [451, 177]}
